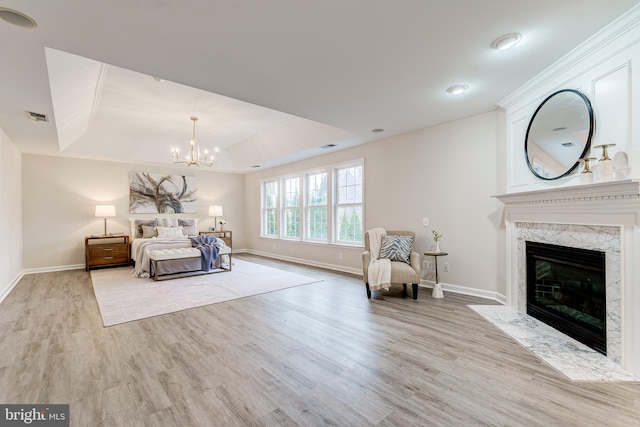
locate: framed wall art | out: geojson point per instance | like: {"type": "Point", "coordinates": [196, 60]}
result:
{"type": "Point", "coordinates": [164, 194]}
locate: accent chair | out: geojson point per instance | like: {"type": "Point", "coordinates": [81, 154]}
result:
{"type": "Point", "coordinates": [401, 272]}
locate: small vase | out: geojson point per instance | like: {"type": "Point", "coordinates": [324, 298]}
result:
{"type": "Point", "coordinates": [437, 246]}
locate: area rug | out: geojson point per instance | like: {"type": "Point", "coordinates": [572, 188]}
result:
{"type": "Point", "coordinates": [571, 358]}
{"type": "Point", "coordinates": [123, 298]}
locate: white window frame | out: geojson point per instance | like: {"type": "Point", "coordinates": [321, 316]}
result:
{"type": "Point", "coordinates": [284, 208]}
{"type": "Point", "coordinates": [331, 208]}
{"type": "Point", "coordinates": [264, 222]}
{"type": "Point", "coordinates": [336, 203]}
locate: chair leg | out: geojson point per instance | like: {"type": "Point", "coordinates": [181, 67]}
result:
{"type": "Point", "coordinates": [404, 289]}
{"type": "Point", "coordinates": [415, 290]}
{"type": "Point", "coordinates": [368, 291]}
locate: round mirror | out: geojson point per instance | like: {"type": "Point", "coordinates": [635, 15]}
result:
{"type": "Point", "coordinates": [559, 134]}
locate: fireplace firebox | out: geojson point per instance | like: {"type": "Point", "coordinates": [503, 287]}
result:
{"type": "Point", "coordinates": [566, 290]}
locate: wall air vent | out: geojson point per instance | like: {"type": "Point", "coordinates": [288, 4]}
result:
{"type": "Point", "coordinates": [37, 117]}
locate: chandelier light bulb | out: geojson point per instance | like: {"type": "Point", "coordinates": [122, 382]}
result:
{"type": "Point", "coordinates": [193, 154]}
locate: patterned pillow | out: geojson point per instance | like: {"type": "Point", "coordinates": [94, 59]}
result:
{"type": "Point", "coordinates": [396, 248]}
{"type": "Point", "coordinates": [169, 232]}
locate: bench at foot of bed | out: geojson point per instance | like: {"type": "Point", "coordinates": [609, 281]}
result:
{"type": "Point", "coordinates": [167, 264]}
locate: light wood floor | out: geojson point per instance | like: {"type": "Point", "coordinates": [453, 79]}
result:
{"type": "Point", "coordinates": [319, 354]}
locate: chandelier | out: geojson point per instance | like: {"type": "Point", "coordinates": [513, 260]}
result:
{"type": "Point", "coordinates": [193, 156]}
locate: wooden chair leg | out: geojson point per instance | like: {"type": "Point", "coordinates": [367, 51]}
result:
{"type": "Point", "coordinates": [415, 290]}
{"type": "Point", "coordinates": [368, 291]}
{"type": "Point", "coordinates": [404, 289]}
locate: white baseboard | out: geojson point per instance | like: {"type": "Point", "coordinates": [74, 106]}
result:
{"type": "Point", "coordinates": [342, 268]}
{"type": "Point", "coordinates": [54, 268]}
{"type": "Point", "coordinates": [12, 285]}
{"type": "Point", "coordinates": [464, 290]}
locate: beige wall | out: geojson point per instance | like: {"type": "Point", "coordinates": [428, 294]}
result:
{"type": "Point", "coordinates": [446, 173]}
{"type": "Point", "coordinates": [60, 194]}
{"type": "Point", "coordinates": [10, 214]}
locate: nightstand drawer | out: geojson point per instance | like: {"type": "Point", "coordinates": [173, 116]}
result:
{"type": "Point", "coordinates": [108, 253]}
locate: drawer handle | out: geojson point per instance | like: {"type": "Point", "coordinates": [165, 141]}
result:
{"type": "Point", "coordinates": [108, 249]}
{"type": "Point", "coordinates": [108, 257]}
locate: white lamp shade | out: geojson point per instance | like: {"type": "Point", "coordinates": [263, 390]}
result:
{"type": "Point", "coordinates": [104, 211]}
{"type": "Point", "coordinates": [215, 211]}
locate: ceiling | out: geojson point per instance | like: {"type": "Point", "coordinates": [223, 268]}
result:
{"type": "Point", "coordinates": [271, 82]}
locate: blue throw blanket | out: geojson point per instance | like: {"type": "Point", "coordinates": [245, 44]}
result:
{"type": "Point", "coordinates": [208, 245]}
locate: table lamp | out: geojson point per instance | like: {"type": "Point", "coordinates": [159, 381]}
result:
{"type": "Point", "coordinates": [215, 211]}
{"type": "Point", "coordinates": [105, 211]}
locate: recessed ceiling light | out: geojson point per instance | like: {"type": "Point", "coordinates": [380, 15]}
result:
{"type": "Point", "coordinates": [377, 130]}
{"type": "Point", "coordinates": [17, 18]}
{"type": "Point", "coordinates": [458, 89]}
{"type": "Point", "coordinates": [507, 41]}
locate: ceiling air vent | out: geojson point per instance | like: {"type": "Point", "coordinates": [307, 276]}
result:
{"type": "Point", "coordinates": [37, 117]}
{"type": "Point", "coordinates": [568, 144]}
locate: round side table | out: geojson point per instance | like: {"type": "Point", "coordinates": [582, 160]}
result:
{"type": "Point", "coordinates": [437, 288]}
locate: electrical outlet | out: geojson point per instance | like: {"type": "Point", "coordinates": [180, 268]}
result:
{"type": "Point", "coordinates": [425, 264]}
{"type": "Point", "coordinates": [339, 255]}
{"type": "Point", "coordinates": [425, 222]}
{"type": "Point", "coordinates": [445, 266]}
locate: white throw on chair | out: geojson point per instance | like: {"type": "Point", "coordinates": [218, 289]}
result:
{"type": "Point", "coordinates": [404, 262]}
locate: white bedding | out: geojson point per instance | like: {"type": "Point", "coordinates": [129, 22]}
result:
{"type": "Point", "coordinates": [141, 248]}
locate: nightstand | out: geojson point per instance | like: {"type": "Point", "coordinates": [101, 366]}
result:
{"type": "Point", "coordinates": [106, 251]}
{"type": "Point", "coordinates": [223, 235]}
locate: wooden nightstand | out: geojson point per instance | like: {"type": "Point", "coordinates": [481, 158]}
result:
{"type": "Point", "coordinates": [106, 251]}
{"type": "Point", "coordinates": [223, 235]}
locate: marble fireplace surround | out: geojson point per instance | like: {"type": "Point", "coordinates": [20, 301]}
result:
{"type": "Point", "coordinates": [602, 216]}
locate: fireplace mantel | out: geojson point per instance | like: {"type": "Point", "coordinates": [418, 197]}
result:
{"type": "Point", "coordinates": [599, 206]}
{"type": "Point", "coordinates": [624, 189]}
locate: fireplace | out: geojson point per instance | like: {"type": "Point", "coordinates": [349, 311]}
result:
{"type": "Point", "coordinates": [566, 290]}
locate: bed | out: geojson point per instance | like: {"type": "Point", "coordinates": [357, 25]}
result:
{"type": "Point", "coordinates": [148, 235]}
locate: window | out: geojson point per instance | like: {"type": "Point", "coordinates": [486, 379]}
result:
{"type": "Point", "coordinates": [291, 207]}
{"type": "Point", "coordinates": [348, 206]}
{"type": "Point", "coordinates": [317, 217]}
{"type": "Point", "coordinates": [325, 205]}
{"type": "Point", "coordinates": [270, 208]}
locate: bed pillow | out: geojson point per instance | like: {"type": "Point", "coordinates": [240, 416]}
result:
{"type": "Point", "coordinates": [148, 232]}
{"type": "Point", "coordinates": [169, 222]}
{"type": "Point", "coordinates": [396, 248]}
{"type": "Point", "coordinates": [188, 226]}
{"type": "Point", "coordinates": [170, 232]}
{"type": "Point", "coordinates": [140, 222]}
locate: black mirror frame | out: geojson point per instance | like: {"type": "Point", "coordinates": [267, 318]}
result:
{"type": "Point", "coordinates": [592, 126]}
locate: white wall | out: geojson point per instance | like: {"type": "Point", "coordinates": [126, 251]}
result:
{"type": "Point", "coordinates": [60, 194]}
{"type": "Point", "coordinates": [10, 215]}
{"type": "Point", "coordinates": [446, 173]}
